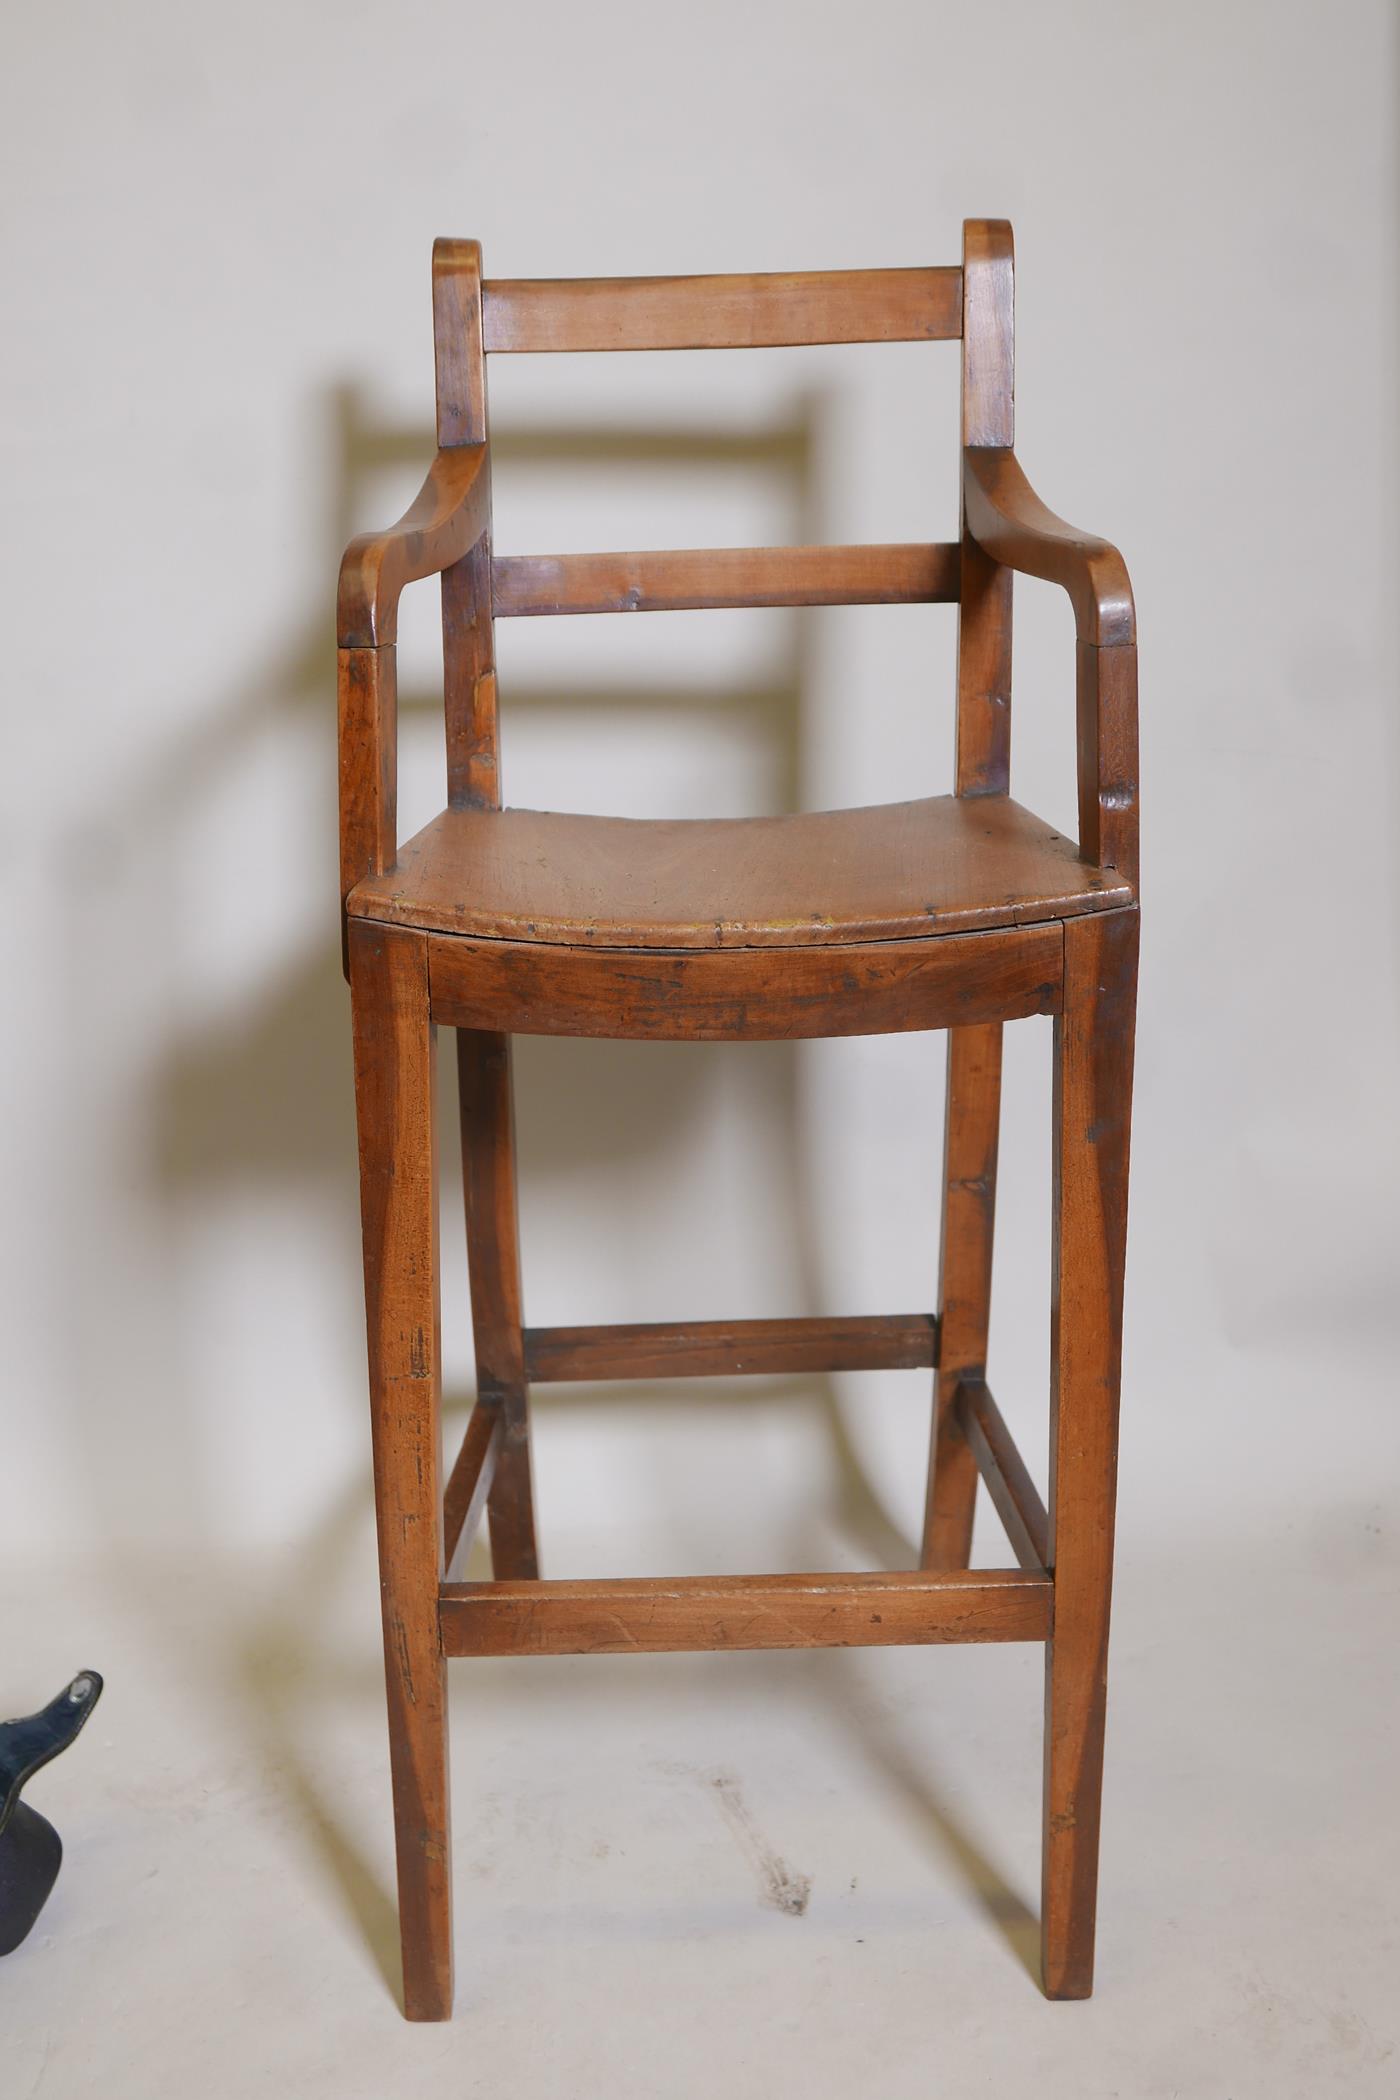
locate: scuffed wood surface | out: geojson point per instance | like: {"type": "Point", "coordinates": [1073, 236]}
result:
{"type": "Point", "coordinates": [660, 1616]}
{"type": "Point", "coordinates": [897, 871]}
{"type": "Point", "coordinates": [746, 994]}
{"type": "Point", "coordinates": [731, 1348]}
{"type": "Point", "coordinates": [1093, 1101]}
{"type": "Point", "coordinates": [697, 578]}
{"type": "Point", "coordinates": [394, 1057]}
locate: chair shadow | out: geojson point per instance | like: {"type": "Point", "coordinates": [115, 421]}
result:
{"type": "Point", "coordinates": [948, 1835]}
{"type": "Point", "coordinates": [266, 1100]}
{"type": "Point", "coordinates": [282, 1674]}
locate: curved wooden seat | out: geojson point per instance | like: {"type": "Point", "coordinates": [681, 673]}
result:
{"type": "Point", "coordinates": [897, 871]}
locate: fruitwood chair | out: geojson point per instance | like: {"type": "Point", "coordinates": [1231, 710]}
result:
{"type": "Point", "coordinates": [955, 912]}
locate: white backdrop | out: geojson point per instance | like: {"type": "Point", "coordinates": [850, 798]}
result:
{"type": "Point", "coordinates": [217, 363]}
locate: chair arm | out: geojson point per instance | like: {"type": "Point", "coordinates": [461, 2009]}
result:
{"type": "Point", "coordinates": [443, 523]}
{"type": "Point", "coordinates": [1010, 523]}
{"type": "Point", "coordinates": [445, 520]}
{"type": "Point", "coordinates": [1008, 519]}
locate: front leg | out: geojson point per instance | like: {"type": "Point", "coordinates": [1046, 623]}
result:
{"type": "Point", "coordinates": [394, 1056]}
{"type": "Point", "coordinates": [1093, 1094]}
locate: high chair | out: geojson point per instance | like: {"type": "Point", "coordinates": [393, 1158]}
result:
{"type": "Point", "coordinates": [957, 912]}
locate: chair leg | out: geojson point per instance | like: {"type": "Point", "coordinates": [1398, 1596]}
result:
{"type": "Point", "coordinates": [1093, 1094]}
{"type": "Point", "coordinates": [398, 1183]}
{"type": "Point", "coordinates": [965, 1283]}
{"type": "Point", "coordinates": [486, 1094]}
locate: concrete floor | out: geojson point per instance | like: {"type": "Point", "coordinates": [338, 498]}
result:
{"type": "Point", "coordinates": [748, 1875]}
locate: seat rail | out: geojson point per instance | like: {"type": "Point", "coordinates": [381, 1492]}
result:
{"type": "Point", "coordinates": [732, 995]}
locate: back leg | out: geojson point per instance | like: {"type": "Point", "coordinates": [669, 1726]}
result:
{"type": "Point", "coordinates": [983, 767]}
{"type": "Point", "coordinates": [965, 1283]}
{"type": "Point", "coordinates": [486, 1093]}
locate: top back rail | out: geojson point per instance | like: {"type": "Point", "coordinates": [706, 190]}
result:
{"type": "Point", "coordinates": [721, 313]}
{"type": "Point", "coordinates": [763, 311]}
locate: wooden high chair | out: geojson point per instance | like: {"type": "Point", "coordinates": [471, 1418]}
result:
{"type": "Point", "coordinates": [957, 912]}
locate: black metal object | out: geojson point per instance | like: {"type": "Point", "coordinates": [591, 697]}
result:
{"type": "Point", "coordinates": [30, 1848]}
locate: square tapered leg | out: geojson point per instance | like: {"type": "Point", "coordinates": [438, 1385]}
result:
{"type": "Point", "coordinates": [394, 1056]}
{"type": "Point", "coordinates": [1093, 1094]}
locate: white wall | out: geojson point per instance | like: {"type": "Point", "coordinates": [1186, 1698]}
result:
{"type": "Point", "coordinates": [217, 363]}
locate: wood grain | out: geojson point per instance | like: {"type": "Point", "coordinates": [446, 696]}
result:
{"type": "Point", "coordinates": [367, 698]}
{"type": "Point", "coordinates": [722, 313]}
{"type": "Point", "coordinates": [444, 520]}
{"type": "Point", "coordinates": [1107, 710]}
{"type": "Point", "coordinates": [746, 994]}
{"type": "Point", "coordinates": [899, 871]}
{"type": "Point", "coordinates": [1093, 1092]}
{"type": "Point", "coordinates": [1013, 1492]}
{"type": "Point", "coordinates": [393, 1041]}
{"type": "Point", "coordinates": [458, 343]}
{"type": "Point", "coordinates": [982, 774]}
{"type": "Point", "coordinates": [983, 755]}
{"type": "Point", "coordinates": [469, 1482]}
{"type": "Point", "coordinates": [982, 758]}
{"type": "Point", "coordinates": [695, 579]}
{"type": "Point", "coordinates": [661, 1616]}
{"type": "Point", "coordinates": [1008, 520]}
{"type": "Point", "coordinates": [988, 333]}
{"type": "Point", "coordinates": [468, 631]}
{"type": "Point", "coordinates": [731, 1348]}
{"type": "Point", "coordinates": [970, 1136]}
{"type": "Point", "coordinates": [486, 1094]}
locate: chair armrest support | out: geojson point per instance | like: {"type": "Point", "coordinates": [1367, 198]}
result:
{"type": "Point", "coordinates": [445, 520]}
{"type": "Point", "coordinates": [1010, 523]}
{"type": "Point", "coordinates": [443, 523]}
{"type": "Point", "coordinates": [1007, 518]}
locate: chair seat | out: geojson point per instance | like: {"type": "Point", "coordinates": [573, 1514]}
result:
{"type": "Point", "coordinates": [897, 871]}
